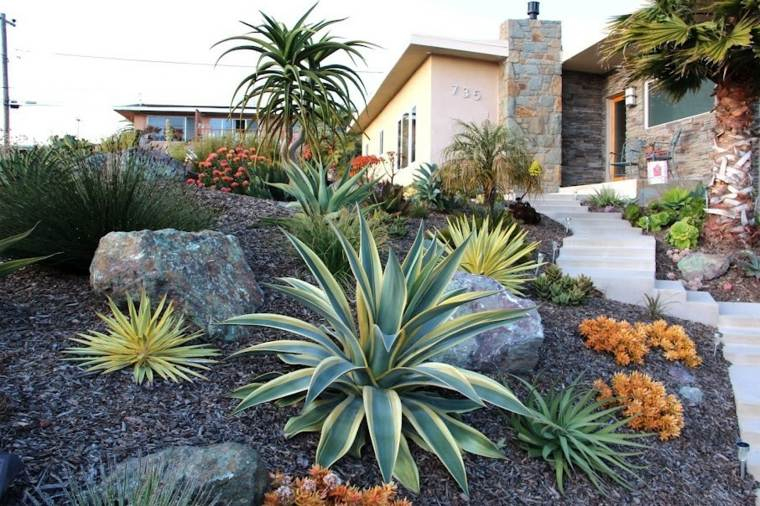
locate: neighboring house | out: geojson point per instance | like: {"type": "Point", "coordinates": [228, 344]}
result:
{"type": "Point", "coordinates": [573, 112]}
{"type": "Point", "coordinates": [187, 122]}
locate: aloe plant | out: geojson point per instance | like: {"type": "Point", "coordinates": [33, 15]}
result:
{"type": "Point", "coordinates": [374, 375]}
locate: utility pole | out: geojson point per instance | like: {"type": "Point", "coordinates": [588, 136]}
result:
{"type": "Point", "coordinates": [6, 98]}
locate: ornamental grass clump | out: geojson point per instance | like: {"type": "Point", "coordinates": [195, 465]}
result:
{"type": "Point", "coordinates": [368, 373]}
{"type": "Point", "coordinates": [322, 487]}
{"type": "Point", "coordinates": [646, 403]}
{"type": "Point", "coordinates": [9, 266]}
{"type": "Point", "coordinates": [150, 341]}
{"type": "Point", "coordinates": [496, 250]}
{"type": "Point", "coordinates": [628, 343]}
{"type": "Point", "coordinates": [576, 432]}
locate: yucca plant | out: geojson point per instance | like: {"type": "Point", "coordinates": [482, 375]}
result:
{"type": "Point", "coordinates": [150, 341]}
{"type": "Point", "coordinates": [9, 266]}
{"type": "Point", "coordinates": [374, 375]}
{"type": "Point", "coordinates": [316, 197]}
{"type": "Point", "coordinates": [498, 251]}
{"type": "Point", "coordinates": [573, 431]}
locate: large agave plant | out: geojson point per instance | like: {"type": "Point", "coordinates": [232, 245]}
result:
{"type": "Point", "coordinates": [375, 375]}
{"type": "Point", "coordinates": [498, 251]}
{"type": "Point", "coordinates": [316, 197]}
{"type": "Point", "coordinates": [427, 184]}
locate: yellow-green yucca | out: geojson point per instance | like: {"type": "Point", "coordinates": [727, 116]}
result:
{"type": "Point", "coordinates": [374, 376]}
{"type": "Point", "coordinates": [150, 341]}
{"type": "Point", "coordinates": [497, 251]}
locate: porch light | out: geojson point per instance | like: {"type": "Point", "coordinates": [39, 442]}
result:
{"type": "Point", "coordinates": [742, 450]}
{"type": "Point", "coordinates": [630, 96]}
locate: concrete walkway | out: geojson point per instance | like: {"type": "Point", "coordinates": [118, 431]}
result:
{"type": "Point", "coordinates": [621, 262]}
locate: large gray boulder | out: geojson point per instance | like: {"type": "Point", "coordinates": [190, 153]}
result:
{"type": "Point", "coordinates": [204, 273]}
{"type": "Point", "coordinates": [232, 471]}
{"type": "Point", "coordinates": [703, 266]}
{"type": "Point", "coordinates": [513, 347]}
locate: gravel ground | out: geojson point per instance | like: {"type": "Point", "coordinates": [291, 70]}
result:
{"type": "Point", "coordinates": [61, 420]}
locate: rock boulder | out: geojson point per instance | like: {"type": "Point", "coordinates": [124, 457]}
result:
{"type": "Point", "coordinates": [513, 347]}
{"type": "Point", "coordinates": [703, 266]}
{"type": "Point", "coordinates": [204, 273]}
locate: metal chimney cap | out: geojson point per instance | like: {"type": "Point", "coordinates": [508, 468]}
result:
{"type": "Point", "coordinates": [533, 10]}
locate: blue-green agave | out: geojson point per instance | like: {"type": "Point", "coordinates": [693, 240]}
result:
{"type": "Point", "coordinates": [374, 374]}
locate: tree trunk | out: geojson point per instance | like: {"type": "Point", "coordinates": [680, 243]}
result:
{"type": "Point", "coordinates": [731, 205]}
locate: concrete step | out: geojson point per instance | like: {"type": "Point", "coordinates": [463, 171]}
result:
{"type": "Point", "coordinates": [747, 395]}
{"type": "Point", "coordinates": [739, 335]}
{"type": "Point", "coordinates": [621, 285]}
{"type": "Point", "coordinates": [607, 262]}
{"type": "Point", "coordinates": [743, 354]}
{"type": "Point", "coordinates": [596, 240]}
{"type": "Point", "coordinates": [670, 292]}
{"type": "Point", "coordinates": [565, 197]}
{"type": "Point", "coordinates": [698, 307]}
{"type": "Point", "coordinates": [750, 431]}
{"type": "Point", "coordinates": [739, 314]}
{"type": "Point", "coordinates": [578, 249]}
{"type": "Point", "coordinates": [753, 468]}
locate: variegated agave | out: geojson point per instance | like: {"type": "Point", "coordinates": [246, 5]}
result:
{"type": "Point", "coordinates": [376, 374]}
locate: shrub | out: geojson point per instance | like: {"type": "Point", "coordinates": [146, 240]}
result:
{"type": "Point", "coordinates": [150, 341]}
{"type": "Point", "coordinates": [144, 484]}
{"type": "Point", "coordinates": [239, 170]}
{"type": "Point", "coordinates": [126, 138]}
{"type": "Point", "coordinates": [751, 264]}
{"type": "Point", "coordinates": [683, 235]}
{"type": "Point", "coordinates": [675, 198]}
{"type": "Point", "coordinates": [574, 431]}
{"type": "Point", "coordinates": [561, 289]}
{"type": "Point", "coordinates": [9, 266]}
{"type": "Point", "coordinates": [628, 343]}
{"type": "Point", "coordinates": [673, 341]}
{"type": "Point", "coordinates": [655, 222]}
{"type": "Point", "coordinates": [498, 251]}
{"type": "Point", "coordinates": [318, 233]}
{"type": "Point", "coordinates": [427, 185]}
{"type": "Point", "coordinates": [78, 201]}
{"type": "Point", "coordinates": [646, 403]}
{"type": "Point", "coordinates": [395, 225]}
{"type": "Point", "coordinates": [323, 488]}
{"type": "Point", "coordinates": [632, 212]}
{"type": "Point", "coordinates": [606, 197]}
{"type": "Point", "coordinates": [372, 376]}
{"type": "Point", "coordinates": [388, 197]}
{"type": "Point", "coordinates": [199, 150]}
{"type": "Point", "coordinates": [316, 197]}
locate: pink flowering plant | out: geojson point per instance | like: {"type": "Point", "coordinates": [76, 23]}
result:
{"type": "Point", "coordinates": [230, 170]}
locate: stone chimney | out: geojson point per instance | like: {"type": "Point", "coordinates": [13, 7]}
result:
{"type": "Point", "coordinates": [530, 90]}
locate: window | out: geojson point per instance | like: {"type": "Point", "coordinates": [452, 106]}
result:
{"type": "Point", "coordinates": [224, 126]}
{"type": "Point", "coordinates": [660, 109]}
{"type": "Point", "coordinates": [406, 145]}
{"type": "Point", "coordinates": [179, 128]}
{"type": "Point", "coordinates": [381, 150]}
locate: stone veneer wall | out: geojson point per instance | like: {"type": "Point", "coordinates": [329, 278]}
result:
{"type": "Point", "coordinates": [530, 90]}
{"type": "Point", "coordinates": [583, 128]}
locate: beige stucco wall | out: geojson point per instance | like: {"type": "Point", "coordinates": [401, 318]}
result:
{"type": "Point", "coordinates": [431, 90]}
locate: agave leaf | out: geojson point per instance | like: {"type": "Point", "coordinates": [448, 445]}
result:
{"type": "Point", "coordinates": [287, 384]}
{"type": "Point", "coordinates": [329, 370]}
{"type": "Point", "coordinates": [471, 440]}
{"type": "Point", "coordinates": [288, 324]}
{"type": "Point", "coordinates": [405, 470]}
{"type": "Point", "coordinates": [312, 417]}
{"type": "Point", "coordinates": [383, 411]}
{"type": "Point", "coordinates": [339, 430]}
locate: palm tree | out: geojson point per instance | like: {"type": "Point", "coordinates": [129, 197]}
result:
{"type": "Point", "coordinates": [488, 158]}
{"type": "Point", "coordinates": [679, 44]}
{"type": "Point", "coordinates": [296, 83]}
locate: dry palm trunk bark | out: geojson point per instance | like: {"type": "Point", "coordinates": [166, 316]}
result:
{"type": "Point", "coordinates": [730, 209]}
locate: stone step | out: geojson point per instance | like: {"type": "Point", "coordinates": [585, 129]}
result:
{"type": "Point", "coordinates": [739, 314]}
{"type": "Point", "coordinates": [747, 395]}
{"type": "Point", "coordinates": [698, 307]}
{"type": "Point", "coordinates": [743, 354]}
{"type": "Point", "coordinates": [608, 262]}
{"type": "Point", "coordinates": [740, 335]}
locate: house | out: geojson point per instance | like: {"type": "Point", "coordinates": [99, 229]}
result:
{"type": "Point", "coordinates": [187, 122]}
{"type": "Point", "coordinates": [577, 113]}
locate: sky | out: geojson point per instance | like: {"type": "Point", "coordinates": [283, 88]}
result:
{"type": "Point", "coordinates": [71, 62]}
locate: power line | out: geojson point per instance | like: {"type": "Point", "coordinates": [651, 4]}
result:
{"type": "Point", "coordinates": [164, 62]}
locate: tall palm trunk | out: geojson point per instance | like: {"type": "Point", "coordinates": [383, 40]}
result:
{"type": "Point", "coordinates": [730, 206]}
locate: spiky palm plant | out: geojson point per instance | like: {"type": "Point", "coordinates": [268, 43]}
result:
{"type": "Point", "coordinates": [150, 341]}
{"type": "Point", "coordinates": [299, 79]}
{"type": "Point", "coordinates": [315, 196]}
{"type": "Point", "coordinates": [681, 43]}
{"type": "Point", "coordinates": [375, 375]}
{"type": "Point", "coordinates": [498, 250]}
{"type": "Point", "coordinates": [488, 158]}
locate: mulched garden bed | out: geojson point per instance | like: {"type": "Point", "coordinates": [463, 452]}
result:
{"type": "Point", "coordinates": [61, 420]}
{"type": "Point", "coordinates": [733, 286]}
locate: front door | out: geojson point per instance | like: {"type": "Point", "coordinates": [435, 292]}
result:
{"type": "Point", "coordinates": [616, 135]}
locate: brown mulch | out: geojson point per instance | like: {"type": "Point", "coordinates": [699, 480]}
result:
{"type": "Point", "coordinates": [733, 286]}
{"type": "Point", "coordinates": [62, 420]}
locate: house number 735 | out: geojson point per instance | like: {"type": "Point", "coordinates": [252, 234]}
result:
{"type": "Point", "coordinates": [466, 92]}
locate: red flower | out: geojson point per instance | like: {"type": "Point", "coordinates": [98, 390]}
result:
{"type": "Point", "coordinates": [235, 184]}
{"type": "Point", "coordinates": [190, 181]}
{"type": "Point", "coordinates": [225, 189]}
